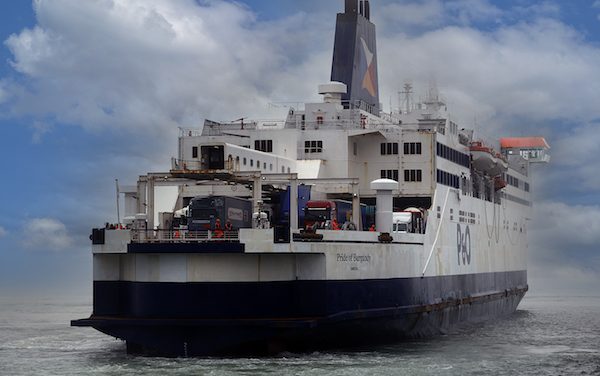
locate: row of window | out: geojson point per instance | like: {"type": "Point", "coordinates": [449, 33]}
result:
{"type": "Point", "coordinates": [413, 148]}
{"type": "Point", "coordinates": [515, 182]}
{"type": "Point", "coordinates": [313, 147]}
{"type": "Point", "coordinates": [389, 148]}
{"type": "Point", "coordinates": [452, 155]}
{"type": "Point", "coordinates": [516, 199]}
{"type": "Point", "coordinates": [410, 148]}
{"type": "Point", "coordinates": [264, 145]}
{"type": "Point", "coordinates": [413, 175]}
{"type": "Point", "coordinates": [511, 180]}
{"type": "Point", "coordinates": [448, 179]}
{"type": "Point", "coordinates": [264, 165]}
{"type": "Point", "coordinates": [390, 174]}
{"type": "Point", "coordinates": [409, 175]}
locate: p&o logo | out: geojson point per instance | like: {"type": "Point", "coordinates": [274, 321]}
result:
{"type": "Point", "coordinates": [463, 244]}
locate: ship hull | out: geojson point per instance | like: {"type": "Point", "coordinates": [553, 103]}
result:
{"type": "Point", "coordinates": [204, 319]}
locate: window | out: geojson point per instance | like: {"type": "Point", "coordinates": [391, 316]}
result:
{"type": "Point", "coordinates": [390, 174]}
{"type": "Point", "coordinates": [283, 169]}
{"type": "Point", "coordinates": [252, 163]}
{"type": "Point", "coordinates": [271, 167]}
{"type": "Point", "coordinates": [195, 152]}
{"type": "Point", "coordinates": [448, 179]}
{"type": "Point", "coordinates": [355, 146]}
{"type": "Point", "coordinates": [389, 148]}
{"type": "Point", "coordinates": [245, 161]}
{"type": "Point", "coordinates": [413, 175]}
{"type": "Point", "coordinates": [413, 148]}
{"type": "Point", "coordinates": [264, 145]}
{"type": "Point", "coordinates": [515, 182]}
{"type": "Point", "coordinates": [319, 120]}
{"type": "Point", "coordinates": [258, 164]}
{"type": "Point", "coordinates": [454, 156]}
{"type": "Point", "coordinates": [313, 147]}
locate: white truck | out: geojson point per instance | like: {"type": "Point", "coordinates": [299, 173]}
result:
{"type": "Point", "coordinates": [410, 220]}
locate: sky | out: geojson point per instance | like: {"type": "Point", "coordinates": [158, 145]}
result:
{"type": "Point", "coordinates": [93, 91]}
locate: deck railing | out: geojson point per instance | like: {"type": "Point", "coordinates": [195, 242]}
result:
{"type": "Point", "coordinates": [183, 236]}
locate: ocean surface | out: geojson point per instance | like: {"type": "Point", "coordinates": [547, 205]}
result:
{"type": "Point", "coordinates": [546, 336]}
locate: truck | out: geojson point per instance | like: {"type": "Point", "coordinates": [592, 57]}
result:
{"type": "Point", "coordinates": [321, 213]}
{"type": "Point", "coordinates": [304, 192]}
{"type": "Point", "coordinates": [410, 220]}
{"type": "Point", "coordinates": [204, 212]}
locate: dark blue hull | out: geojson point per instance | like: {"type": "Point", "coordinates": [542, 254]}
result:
{"type": "Point", "coordinates": [195, 319]}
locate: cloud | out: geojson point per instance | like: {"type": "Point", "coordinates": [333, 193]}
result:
{"type": "Point", "coordinates": [564, 247]}
{"type": "Point", "coordinates": [555, 225]}
{"type": "Point", "coordinates": [39, 130]}
{"type": "Point", "coordinates": [150, 64]}
{"type": "Point", "coordinates": [409, 14]}
{"type": "Point", "coordinates": [3, 232]}
{"type": "Point", "coordinates": [468, 11]}
{"type": "Point", "coordinates": [428, 13]}
{"type": "Point", "coordinates": [520, 70]}
{"type": "Point", "coordinates": [46, 234]}
{"type": "Point", "coordinates": [158, 65]}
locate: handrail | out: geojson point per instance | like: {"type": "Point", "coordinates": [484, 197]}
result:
{"type": "Point", "coordinates": [183, 236]}
{"type": "Point", "coordinates": [437, 235]}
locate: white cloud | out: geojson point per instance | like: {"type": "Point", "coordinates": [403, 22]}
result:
{"type": "Point", "coordinates": [3, 232]}
{"type": "Point", "coordinates": [468, 11]}
{"type": "Point", "coordinates": [3, 93]}
{"type": "Point", "coordinates": [46, 234]}
{"type": "Point", "coordinates": [39, 130]}
{"type": "Point", "coordinates": [538, 9]}
{"type": "Point", "coordinates": [156, 65]}
{"type": "Point", "coordinates": [153, 64]}
{"type": "Point", "coordinates": [563, 245]}
{"type": "Point", "coordinates": [566, 227]}
{"type": "Point", "coordinates": [596, 4]}
{"type": "Point", "coordinates": [410, 14]}
{"type": "Point", "coordinates": [521, 70]}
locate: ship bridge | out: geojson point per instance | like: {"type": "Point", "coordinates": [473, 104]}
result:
{"type": "Point", "coordinates": [533, 149]}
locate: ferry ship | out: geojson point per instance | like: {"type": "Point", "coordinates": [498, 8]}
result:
{"type": "Point", "coordinates": [339, 225]}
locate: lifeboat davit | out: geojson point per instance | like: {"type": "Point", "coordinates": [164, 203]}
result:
{"type": "Point", "coordinates": [487, 160]}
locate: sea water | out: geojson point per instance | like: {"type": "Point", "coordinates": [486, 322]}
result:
{"type": "Point", "coordinates": [546, 336]}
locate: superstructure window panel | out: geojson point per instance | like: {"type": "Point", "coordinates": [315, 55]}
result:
{"type": "Point", "coordinates": [195, 152]}
{"type": "Point", "coordinates": [313, 147]}
{"type": "Point", "coordinates": [413, 176]}
{"type": "Point", "coordinates": [453, 155]}
{"type": "Point", "coordinates": [389, 148]}
{"type": "Point", "coordinates": [413, 148]}
{"type": "Point", "coordinates": [448, 179]}
{"type": "Point", "coordinates": [265, 146]}
{"type": "Point", "coordinates": [390, 174]}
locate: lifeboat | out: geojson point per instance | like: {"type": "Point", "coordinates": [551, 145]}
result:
{"type": "Point", "coordinates": [487, 160]}
{"type": "Point", "coordinates": [499, 183]}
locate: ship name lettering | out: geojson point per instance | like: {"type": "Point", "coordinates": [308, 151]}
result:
{"type": "Point", "coordinates": [352, 257]}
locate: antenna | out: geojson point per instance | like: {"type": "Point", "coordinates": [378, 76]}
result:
{"type": "Point", "coordinates": [406, 98]}
{"type": "Point", "coordinates": [118, 205]}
